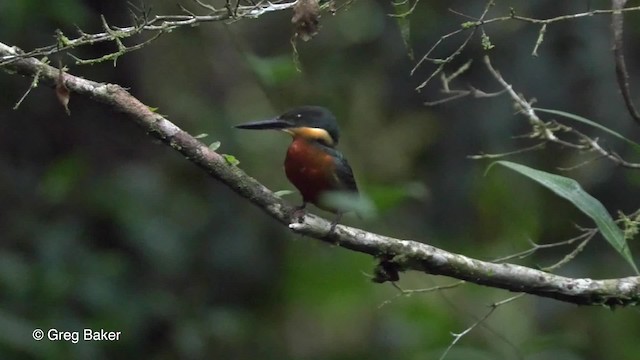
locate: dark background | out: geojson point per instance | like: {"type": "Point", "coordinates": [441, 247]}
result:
{"type": "Point", "coordinates": [103, 227]}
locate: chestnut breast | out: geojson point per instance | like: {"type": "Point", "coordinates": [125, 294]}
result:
{"type": "Point", "coordinates": [310, 169]}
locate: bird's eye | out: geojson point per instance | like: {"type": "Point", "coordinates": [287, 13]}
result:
{"type": "Point", "coordinates": [298, 116]}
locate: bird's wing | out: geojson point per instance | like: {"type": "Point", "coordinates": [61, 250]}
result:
{"type": "Point", "coordinates": [344, 174]}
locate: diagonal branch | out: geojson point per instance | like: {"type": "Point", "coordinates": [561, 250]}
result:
{"type": "Point", "coordinates": [617, 27]}
{"type": "Point", "coordinates": [547, 131]}
{"type": "Point", "coordinates": [394, 254]}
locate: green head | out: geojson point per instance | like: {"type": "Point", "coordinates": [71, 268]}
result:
{"type": "Point", "coordinates": [309, 122]}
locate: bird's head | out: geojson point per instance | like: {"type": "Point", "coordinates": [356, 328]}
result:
{"type": "Point", "coordinates": [309, 122]}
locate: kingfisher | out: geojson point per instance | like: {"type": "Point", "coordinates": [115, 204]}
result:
{"type": "Point", "coordinates": [313, 165]}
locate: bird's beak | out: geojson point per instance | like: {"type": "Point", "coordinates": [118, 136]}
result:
{"type": "Point", "coordinates": [272, 124]}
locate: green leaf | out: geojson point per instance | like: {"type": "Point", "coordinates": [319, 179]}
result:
{"type": "Point", "coordinates": [214, 146]}
{"type": "Point", "coordinates": [201, 136]}
{"type": "Point", "coordinates": [231, 160]}
{"type": "Point", "coordinates": [403, 9]}
{"type": "Point", "coordinates": [571, 190]}
{"type": "Point", "coordinates": [594, 124]}
{"type": "Point", "coordinates": [281, 193]}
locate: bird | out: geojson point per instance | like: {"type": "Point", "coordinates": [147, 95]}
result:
{"type": "Point", "coordinates": [312, 163]}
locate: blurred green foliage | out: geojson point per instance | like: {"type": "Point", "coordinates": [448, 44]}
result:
{"type": "Point", "coordinates": [17, 16]}
{"type": "Point", "coordinates": [101, 227]}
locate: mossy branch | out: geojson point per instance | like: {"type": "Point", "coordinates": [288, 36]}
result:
{"type": "Point", "coordinates": [145, 23]}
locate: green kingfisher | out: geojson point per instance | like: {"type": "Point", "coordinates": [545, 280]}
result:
{"type": "Point", "coordinates": [313, 165]}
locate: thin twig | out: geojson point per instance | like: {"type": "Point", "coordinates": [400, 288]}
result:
{"type": "Point", "coordinates": [33, 85]}
{"type": "Point", "coordinates": [622, 75]}
{"type": "Point", "coordinates": [546, 131]}
{"type": "Point", "coordinates": [539, 40]}
{"type": "Point", "coordinates": [581, 164]}
{"type": "Point", "coordinates": [442, 62]}
{"type": "Point", "coordinates": [513, 16]}
{"type": "Point", "coordinates": [157, 23]}
{"type": "Point", "coordinates": [535, 147]}
{"type": "Point", "coordinates": [535, 247]}
{"type": "Point", "coordinates": [458, 93]}
{"type": "Point", "coordinates": [585, 237]}
{"type": "Point", "coordinates": [570, 256]}
{"type": "Point", "coordinates": [492, 308]}
{"type": "Point", "coordinates": [407, 293]}
{"type": "Point", "coordinates": [475, 23]}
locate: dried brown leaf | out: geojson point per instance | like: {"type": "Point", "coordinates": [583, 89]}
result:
{"type": "Point", "coordinates": [306, 15]}
{"type": "Point", "coordinates": [62, 92]}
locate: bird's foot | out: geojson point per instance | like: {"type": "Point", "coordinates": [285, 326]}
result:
{"type": "Point", "coordinates": [333, 227]}
{"type": "Point", "coordinates": [334, 223]}
{"type": "Point", "coordinates": [299, 213]}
